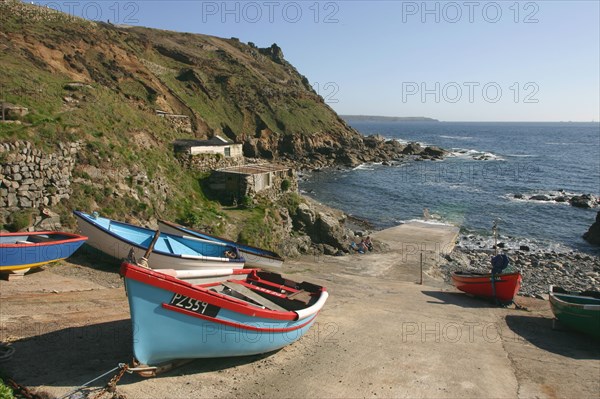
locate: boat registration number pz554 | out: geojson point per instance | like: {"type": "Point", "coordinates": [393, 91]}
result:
{"type": "Point", "coordinates": [194, 305]}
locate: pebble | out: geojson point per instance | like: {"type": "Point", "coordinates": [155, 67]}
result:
{"type": "Point", "coordinates": [572, 270]}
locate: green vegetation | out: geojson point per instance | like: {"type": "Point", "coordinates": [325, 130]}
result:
{"type": "Point", "coordinates": [19, 220]}
{"type": "Point", "coordinates": [5, 391]}
{"type": "Point", "coordinates": [100, 85]}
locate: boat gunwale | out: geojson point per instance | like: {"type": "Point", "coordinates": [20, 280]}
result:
{"type": "Point", "coordinates": [175, 285]}
{"type": "Point", "coordinates": [81, 216]}
{"type": "Point", "coordinates": [73, 238]}
{"type": "Point", "coordinates": [553, 297]}
{"type": "Point", "coordinates": [183, 229]}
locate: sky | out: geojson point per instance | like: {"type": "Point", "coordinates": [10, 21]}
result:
{"type": "Point", "coordinates": [449, 60]}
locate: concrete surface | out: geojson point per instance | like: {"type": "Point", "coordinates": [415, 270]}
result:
{"type": "Point", "coordinates": [379, 335]}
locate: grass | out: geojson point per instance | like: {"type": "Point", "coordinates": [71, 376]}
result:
{"type": "Point", "coordinates": [227, 84]}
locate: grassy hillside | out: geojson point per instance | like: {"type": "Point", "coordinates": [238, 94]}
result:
{"type": "Point", "coordinates": [126, 167]}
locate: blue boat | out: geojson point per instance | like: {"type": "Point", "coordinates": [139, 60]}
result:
{"type": "Point", "coordinates": [246, 313]}
{"type": "Point", "coordinates": [255, 257]}
{"type": "Point", "coordinates": [171, 251]}
{"type": "Point", "coordinates": [23, 251]}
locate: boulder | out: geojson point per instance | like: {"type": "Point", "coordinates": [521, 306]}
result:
{"type": "Point", "coordinates": [593, 234]}
{"type": "Point", "coordinates": [412, 149]}
{"type": "Point", "coordinates": [328, 230]}
{"type": "Point", "coordinates": [539, 197]}
{"type": "Point", "coordinates": [433, 151]}
{"type": "Point", "coordinates": [583, 201]}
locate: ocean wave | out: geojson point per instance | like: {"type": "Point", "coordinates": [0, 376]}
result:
{"type": "Point", "coordinates": [367, 166]}
{"type": "Point", "coordinates": [426, 221]}
{"type": "Point", "coordinates": [475, 154]}
{"type": "Point", "coordinates": [457, 137]}
{"type": "Point", "coordinates": [406, 142]}
{"type": "Point", "coordinates": [565, 143]}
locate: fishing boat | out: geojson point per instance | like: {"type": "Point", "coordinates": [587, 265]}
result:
{"type": "Point", "coordinates": [255, 257]}
{"type": "Point", "coordinates": [177, 315]}
{"type": "Point", "coordinates": [577, 310]}
{"type": "Point", "coordinates": [502, 286]}
{"type": "Point", "coordinates": [22, 251]}
{"type": "Point", "coordinates": [117, 239]}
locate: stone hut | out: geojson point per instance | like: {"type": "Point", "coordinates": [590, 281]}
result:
{"type": "Point", "coordinates": [207, 155]}
{"type": "Point", "coordinates": [267, 180]}
{"type": "Point", "coordinates": [215, 145]}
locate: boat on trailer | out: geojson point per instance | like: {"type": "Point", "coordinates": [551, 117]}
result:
{"type": "Point", "coordinates": [577, 310]}
{"type": "Point", "coordinates": [20, 252]}
{"type": "Point", "coordinates": [254, 256]}
{"type": "Point", "coordinates": [182, 314]}
{"type": "Point", "coordinates": [118, 239]}
{"type": "Point", "coordinates": [501, 286]}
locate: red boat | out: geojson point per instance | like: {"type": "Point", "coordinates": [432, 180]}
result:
{"type": "Point", "coordinates": [503, 286]}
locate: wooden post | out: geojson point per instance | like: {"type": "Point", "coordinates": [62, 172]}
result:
{"type": "Point", "coordinates": [421, 282]}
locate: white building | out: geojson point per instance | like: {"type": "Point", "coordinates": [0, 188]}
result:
{"type": "Point", "coordinates": [214, 145]}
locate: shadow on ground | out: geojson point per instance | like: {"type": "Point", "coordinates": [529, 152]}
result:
{"type": "Point", "coordinates": [538, 331]}
{"type": "Point", "coordinates": [459, 299]}
{"type": "Point", "coordinates": [75, 355]}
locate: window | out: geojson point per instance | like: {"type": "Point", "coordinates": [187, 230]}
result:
{"type": "Point", "coordinates": [227, 151]}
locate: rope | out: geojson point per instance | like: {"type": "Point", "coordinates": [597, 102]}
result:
{"type": "Point", "coordinates": [120, 366]}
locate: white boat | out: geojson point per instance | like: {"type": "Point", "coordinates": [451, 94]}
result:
{"type": "Point", "coordinates": [171, 251]}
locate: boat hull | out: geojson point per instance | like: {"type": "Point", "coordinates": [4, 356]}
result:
{"type": "Point", "coordinates": [163, 332]}
{"type": "Point", "coordinates": [504, 287]}
{"type": "Point", "coordinates": [22, 251]}
{"type": "Point", "coordinates": [254, 257]}
{"type": "Point", "coordinates": [119, 248]}
{"type": "Point", "coordinates": [581, 313]}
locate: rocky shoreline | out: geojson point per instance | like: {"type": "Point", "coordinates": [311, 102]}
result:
{"type": "Point", "coordinates": [574, 271]}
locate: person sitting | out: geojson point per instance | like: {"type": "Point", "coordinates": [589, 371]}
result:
{"type": "Point", "coordinates": [362, 247]}
{"type": "Point", "coordinates": [369, 243]}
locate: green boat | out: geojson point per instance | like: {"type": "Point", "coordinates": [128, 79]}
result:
{"type": "Point", "coordinates": [579, 311]}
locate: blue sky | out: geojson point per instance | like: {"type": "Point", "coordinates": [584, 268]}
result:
{"type": "Point", "coordinates": [454, 61]}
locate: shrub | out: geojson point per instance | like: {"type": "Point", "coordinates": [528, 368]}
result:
{"type": "Point", "coordinates": [20, 220]}
{"type": "Point", "coordinates": [5, 391]}
{"type": "Point", "coordinates": [285, 185]}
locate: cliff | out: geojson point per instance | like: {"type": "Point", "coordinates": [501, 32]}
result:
{"type": "Point", "coordinates": [90, 111]}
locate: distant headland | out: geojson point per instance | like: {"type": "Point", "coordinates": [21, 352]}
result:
{"type": "Point", "coordinates": [373, 118]}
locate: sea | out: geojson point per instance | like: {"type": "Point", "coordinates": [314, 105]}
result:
{"type": "Point", "coordinates": [475, 186]}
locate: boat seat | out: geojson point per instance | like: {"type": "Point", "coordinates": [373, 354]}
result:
{"type": "Point", "coordinates": [248, 293]}
{"type": "Point", "coordinates": [24, 242]}
{"type": "Point", "coordinates": [38, 238]}
{"type": "Point", "coordinates": [301, 296]}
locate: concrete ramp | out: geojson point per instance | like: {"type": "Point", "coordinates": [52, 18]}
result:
{"type": "Point", "coordinates": [419, 236]}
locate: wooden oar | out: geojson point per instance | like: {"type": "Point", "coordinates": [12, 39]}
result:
{"type": "Point", "coordinates": [144, 260]}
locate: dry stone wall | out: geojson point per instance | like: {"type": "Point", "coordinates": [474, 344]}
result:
{"type": "Point", "coordinates": [30, 177]}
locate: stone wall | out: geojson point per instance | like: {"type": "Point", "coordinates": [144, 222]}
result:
{"type": "Point", "coordinates": [30, 177]}
{"type": "Point", "coordinates": [208, 162]}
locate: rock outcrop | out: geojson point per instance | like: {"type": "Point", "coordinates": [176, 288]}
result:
{"type": "Point", "coordinates": [593, 234]}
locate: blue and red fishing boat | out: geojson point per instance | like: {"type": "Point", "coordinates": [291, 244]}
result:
{"type": "Point", "coordinates": [244, 313]}
{"type": "Point", "coordinates": [23, 251]}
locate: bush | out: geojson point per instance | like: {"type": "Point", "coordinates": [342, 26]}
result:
{"type": "Point", "coordinates": [245, 202]}
{"type": "Point", "coordinates": [20, 220]}
{"type": "Point", "coordinates": [5, 391]}
{"type": "Point", "coordinates": [285, 185]}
